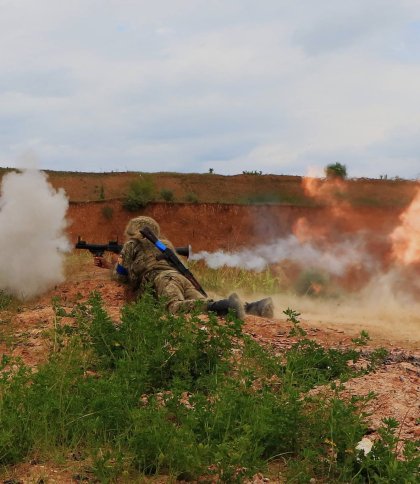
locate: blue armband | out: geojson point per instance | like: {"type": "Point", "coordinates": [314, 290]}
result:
{"type": "Point", "coordinates": [160, 245]}
{"type": "Point", "coordinates": [121, 270]}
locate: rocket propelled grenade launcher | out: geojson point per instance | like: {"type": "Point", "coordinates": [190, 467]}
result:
{"type": "Point", "coordinates": [113, 246]}
{"type": "Point", "coordinates": [172, 258]}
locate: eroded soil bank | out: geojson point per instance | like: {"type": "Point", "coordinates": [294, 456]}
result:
{"type": "Point", "coordinates": [222, 226]}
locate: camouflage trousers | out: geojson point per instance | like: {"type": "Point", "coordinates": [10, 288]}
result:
{"type": "Point", "coordinates": [178, 291]}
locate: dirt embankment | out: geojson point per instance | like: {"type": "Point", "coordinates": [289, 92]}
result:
{"type": "Point", "coordinates": [219, 226]}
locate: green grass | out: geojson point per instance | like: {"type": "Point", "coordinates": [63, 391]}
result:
{"type": "Point", "coordinates": [184, 397]}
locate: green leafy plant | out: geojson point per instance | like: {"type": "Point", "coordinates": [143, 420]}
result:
{"type": "Point", "coordinates": [293, 317]}
{"type": "Point", "coordinates": [382, 464]}
{"type": "Point", "coordinates": [140, 193]}
{"type": "Point", "coordinates": [167, 195]}
{"type": "Point", "coordinates": [362, 340]}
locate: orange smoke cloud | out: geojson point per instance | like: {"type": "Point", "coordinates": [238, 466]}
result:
{"type": "Point", "coordinates": [330, 192]}
{"type": "Point", "coordinates": [406, 237]}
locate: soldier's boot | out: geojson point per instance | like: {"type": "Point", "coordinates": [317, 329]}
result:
{"type": "Point", "coordinates": [263, 307]}
{"type": "Point", "coordinates": [222, 307]}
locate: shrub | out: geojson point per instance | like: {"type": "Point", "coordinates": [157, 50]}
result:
{"type": "Point", "coordinates": [140, 193]}
{"type": "Point", "coordinates": [107, 212]}
{"type": "Point", "coordinates": [336, 170]}
{"type": "Point", "coordinates": [167, 195]}
{"type": "Point", "coordinates": [191, 197]}
{"type": "Point", "coordinates": [254, 172]}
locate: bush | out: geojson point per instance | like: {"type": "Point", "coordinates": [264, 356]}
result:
{"type": "Point", "coordinates": [140, 193]}
{"type": "Point", "coordinates": [107, 212]}
{"type": "Point", "coordinates": [167, 195]}
{"type": "Point", "coordinates": [254, 172]}
{"type": "Point", "coordinates": [336, 170]}
{"type": "Point", "coordinates": [191, 197]}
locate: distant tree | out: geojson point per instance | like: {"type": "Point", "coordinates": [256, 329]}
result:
{"type": "Point", "coordinates": [211, 171]}
{"type": "Point", "coordinates": [336, 170]}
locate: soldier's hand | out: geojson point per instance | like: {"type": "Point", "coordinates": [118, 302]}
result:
{"type": "Point", "coordinates": [100, 261]}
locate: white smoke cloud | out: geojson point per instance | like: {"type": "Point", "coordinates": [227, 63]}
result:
{"type": "Point", "coordinates": [336, 260]}
{"type": "Point", "coordinates": [32, 239]}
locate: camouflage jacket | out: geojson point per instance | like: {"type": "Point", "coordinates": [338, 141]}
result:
{"type": "Point", "coordinates": [141, 260]}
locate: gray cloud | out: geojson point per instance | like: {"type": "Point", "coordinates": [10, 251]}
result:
{"type": "Point", "coordinates": [190, 84]}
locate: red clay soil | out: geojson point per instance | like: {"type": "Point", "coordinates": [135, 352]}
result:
{"type": "Point", "coordinates": [220, 226]}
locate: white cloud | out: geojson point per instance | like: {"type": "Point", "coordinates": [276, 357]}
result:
{"type": "Point", "coordinates": [188, 84]}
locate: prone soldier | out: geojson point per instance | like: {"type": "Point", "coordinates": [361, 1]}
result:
{"type": "Point", "coordinates": [140, 264]}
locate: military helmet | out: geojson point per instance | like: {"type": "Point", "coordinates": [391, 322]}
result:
{"type": "Point", "coordinates": [132, 231]}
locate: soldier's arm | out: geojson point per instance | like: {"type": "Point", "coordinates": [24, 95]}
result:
{"type": "Point", "coordinates": [120, 269]}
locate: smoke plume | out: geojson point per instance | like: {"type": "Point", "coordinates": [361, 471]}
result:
{"type": "Point", "coordinates": [372, 270]}
{"type": "Point", "coordinates": [334, 261]}
{"type": "Point", "coordinates": [32, 239]}
{"type": "Point", "coordinates": [406, 237]}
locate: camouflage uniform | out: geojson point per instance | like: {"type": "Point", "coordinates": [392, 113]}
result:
{"type": "Point", "coordinates": [144, 268]}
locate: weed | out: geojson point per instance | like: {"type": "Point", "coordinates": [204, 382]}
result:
{"type": "Point", "coordinates": [382, 464]}
{"type": "Point", "coordinates": [293, 317]}
{"type": "Point", "coordinates": [377, 357]}
{"type": "Point", "coordinates": [308, 364]}
{"type": "Point", "coordinates": [362, 340]}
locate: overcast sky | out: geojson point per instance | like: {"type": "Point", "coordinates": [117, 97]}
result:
{"type": "Point", "coordinates": [233, 85]}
